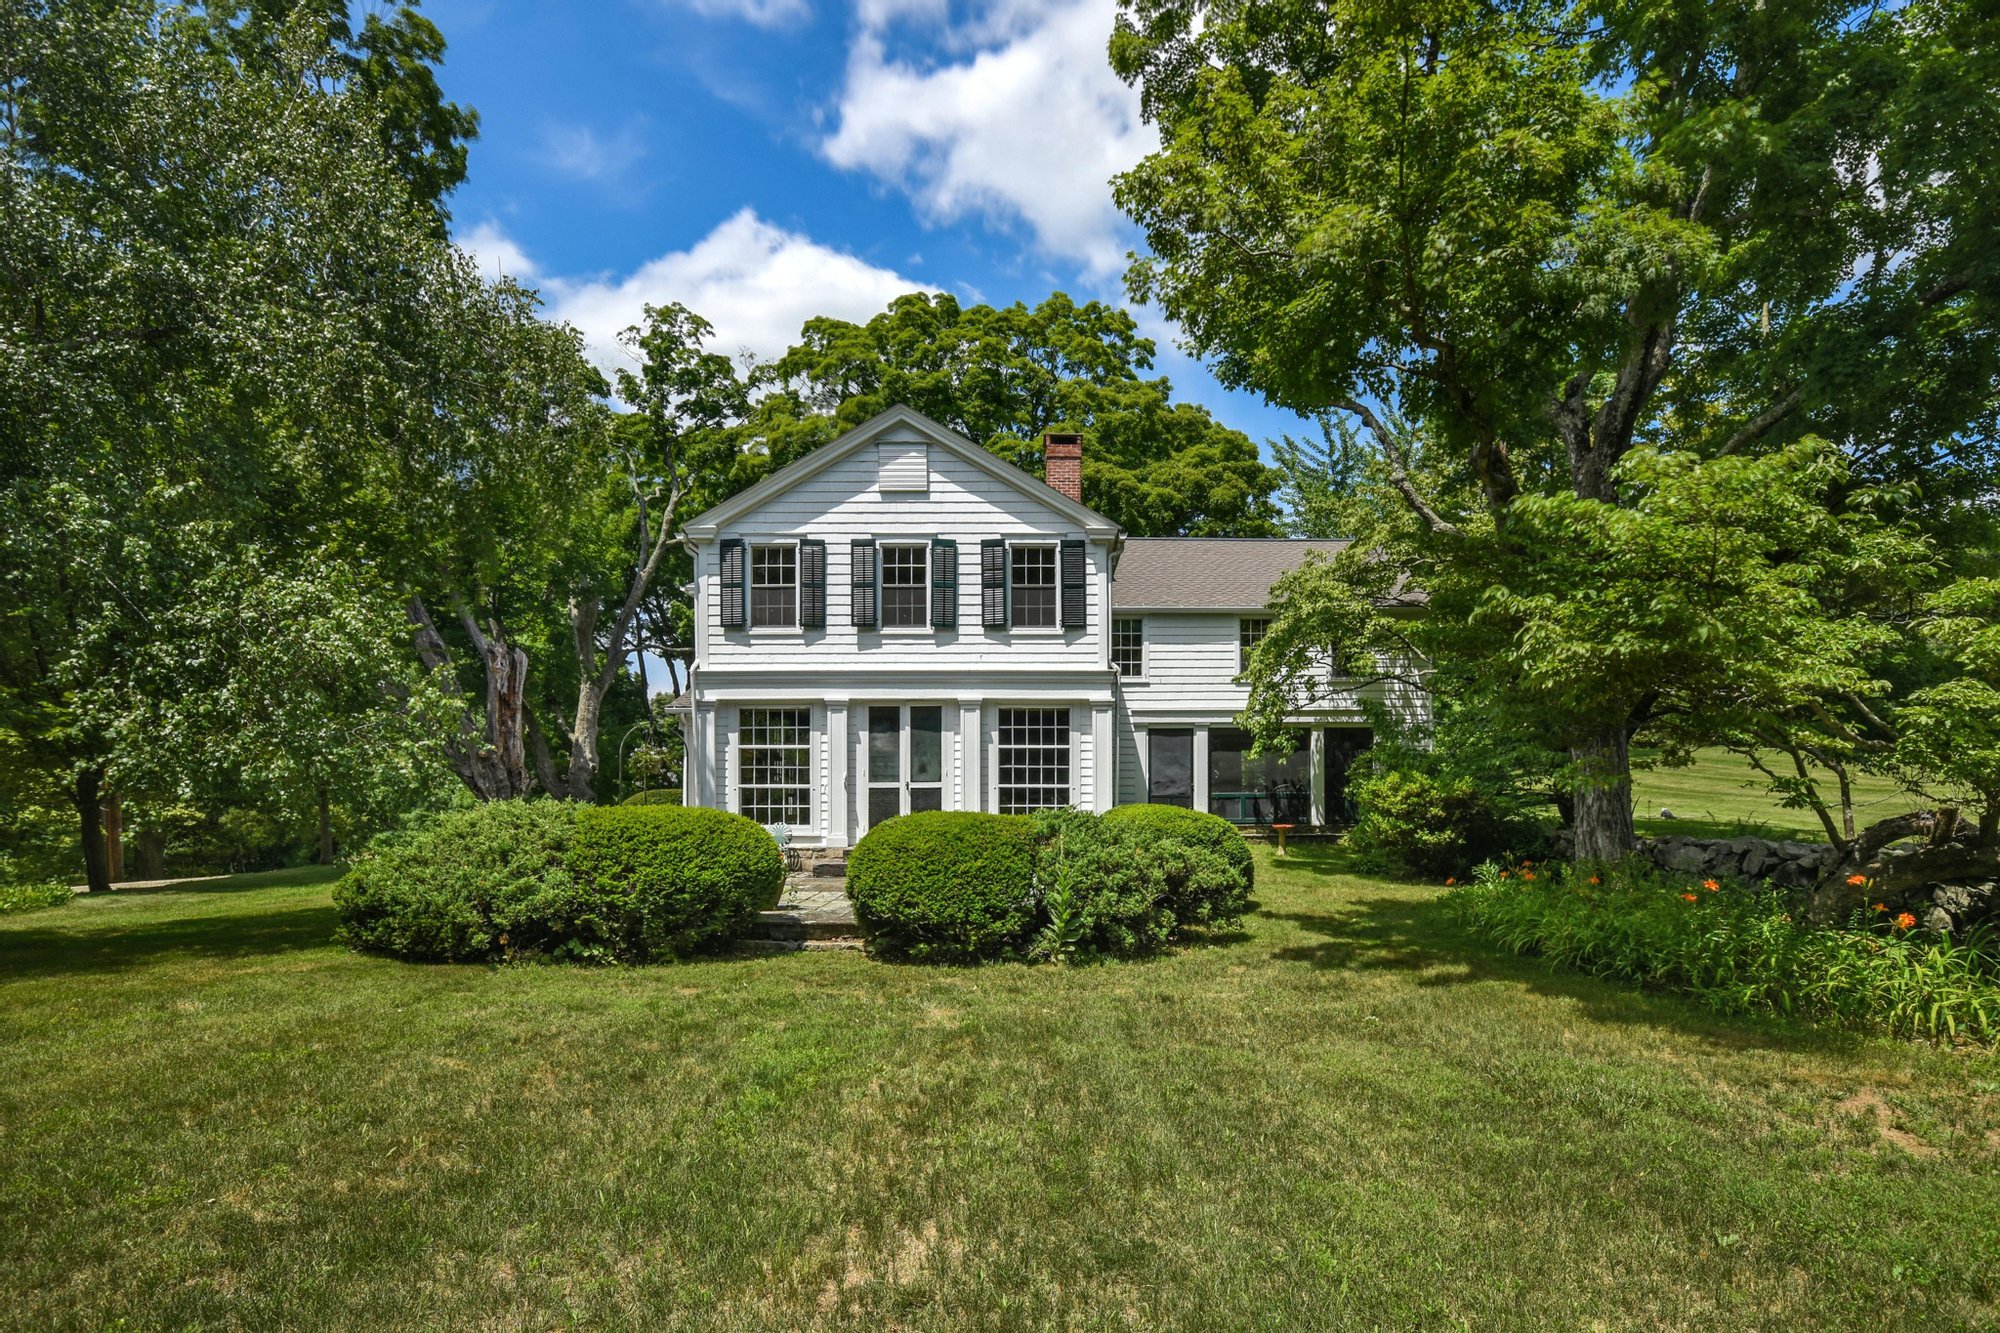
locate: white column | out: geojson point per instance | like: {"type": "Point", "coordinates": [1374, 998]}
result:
{"type": "Point", "coordinates": [1201, 768]}
{"type": "Point", "coordinates": [1104, 769]}
{"type": "Point", "coordinates": [971, 743]}
{"type": "Point", "coordinates": [701, 757]}
{"type": "Point", "coordinates": [1318, 753]}
{"type": "Point", "coordinates": [838, 827]}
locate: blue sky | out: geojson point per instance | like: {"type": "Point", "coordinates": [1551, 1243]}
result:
{"type": "Point", "coordinates": [763, 161]}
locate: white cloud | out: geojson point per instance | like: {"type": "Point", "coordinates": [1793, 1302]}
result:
{"type": "Point", "coordinates": [580, 152]}
{"type": "Point", "coordinates": [762, 13]}
{"type": "Point", "coordinates": [1028, 127]}
{"type": "Point", "coordinates": [755, 282]}
{"type": "Point", "coordinates": [496, 254]}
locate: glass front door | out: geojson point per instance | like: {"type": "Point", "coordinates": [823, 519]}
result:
{"type": "Point", "coordinates": [905, 760]}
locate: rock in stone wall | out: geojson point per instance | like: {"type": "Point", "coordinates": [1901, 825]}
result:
{"type": "Point", "coordinates": [1791, 865]}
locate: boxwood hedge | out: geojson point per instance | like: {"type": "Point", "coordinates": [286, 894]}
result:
{"type": "Point", "coordinates": [508, 879]}
{"type": "Point", "coordinates": [945, 886]}
{"type": "Point", "coordinates": [1196, 894]}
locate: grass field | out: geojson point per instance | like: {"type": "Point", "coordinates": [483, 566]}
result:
{"type": "Point", "coordinates": [1348, 1115]}
{"type": "Point", "coordinates": [1721, 796]}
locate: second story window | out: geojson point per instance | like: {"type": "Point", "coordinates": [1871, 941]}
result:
{"type": "Point", "coordinates": [774, 585]}
{"type": "Point", "coordinates": [1032, 586]}
{"type": "Point", "coordinates": [1250, 632]}
{"type": "Point", "coordinates": [1128, 647]}
{"type": "Point", "coordinates": [905, 586]}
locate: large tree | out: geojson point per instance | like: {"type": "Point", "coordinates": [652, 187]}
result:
{"type": "Point", "coordinates": [1553, 232]}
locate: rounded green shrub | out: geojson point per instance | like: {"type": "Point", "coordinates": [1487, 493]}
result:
{"type": "Point", "coordinates": [472, 884]}
{"type": "Point", "coordinates": [657, 796]}
{"type": "Point", "coordinates": [1099, 888]}
{"type": "Point", "coordinates": [1426, 824]}
{"type": "Point", "coordinates": [507, 879]}
{"type": "Point", "coordinates": [678, 878]}
{"type": "Point", "coordinates": [945, 886]}
{"type": "Point", "coordinates": [1197, 891]}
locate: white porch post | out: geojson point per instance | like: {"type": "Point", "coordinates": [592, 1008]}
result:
{"type": "Point", "coordinates": [1318, 752]}
{"type": "Point", "coordinates": [838, 825]}
{"type": "Point", "coordinates": [702, 758]}
{"type": "Point", "coordinates": [1201, 768]}
{"type": "Point", "coordinates": [1104, 768]}
{"type": "Point", "coordinates": [971, 740]}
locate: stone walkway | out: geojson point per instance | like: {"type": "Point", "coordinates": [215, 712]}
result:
{"type": "Point", "coordinates": [812, 913]}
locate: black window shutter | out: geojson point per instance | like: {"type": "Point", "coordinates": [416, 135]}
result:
{"type": "Point", "coordinates": [732, 582]}
{"type": "Point", "coordinates": [861, 597]}
{"type": "Point", "coordinates": [944, 584]}
{"type": "Point", "coordinates": [993, 583]}
{"type": "Point", "coordinates": [812, 584]}
{"type": "Point", "coordinates": [1075, 585]}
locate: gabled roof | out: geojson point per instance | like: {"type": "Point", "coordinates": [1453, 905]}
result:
{"type": "Point", "coordinates": [906, 419]}
{"type": "Point", "coordinates": [1206, 573]}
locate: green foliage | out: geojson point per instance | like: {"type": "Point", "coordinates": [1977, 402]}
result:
{"type": "Point", "coordinates": [1198, 890]}
{"type": "Point", "coordinates": [480, 883]}
{"type": "Point", "coordinates": [508, 879]}
{"type": "Point", "coordinates": [1738, 951]}
{"type": "Point", "coordinates": [1109, 883]}
{"type": "Point", "coordinates": [1001, 377]}
{"type": "Point", "coordinates": [1424, 823]}
{"type": "Point", "coordinates": [657, 796]}
{"type": "Point", "coordinates": [683, 878]}
{"type": "Point", "coordinates": [945, 886]}
{"type": "Point", "coordinates": [34, 897]}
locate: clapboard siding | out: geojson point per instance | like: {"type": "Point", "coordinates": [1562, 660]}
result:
{"type": "Point", "coordinates": [1191, 667]}
{"type": "Point", "coordinates": [844, 502]}
{"type": "Point", "coordinates": [1131, 779]}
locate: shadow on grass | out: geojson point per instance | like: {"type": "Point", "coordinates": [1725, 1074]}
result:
{"type": "Point", "coordinates": [38, 952]}
{"type": "Point", "coordinates": [1422, 936]}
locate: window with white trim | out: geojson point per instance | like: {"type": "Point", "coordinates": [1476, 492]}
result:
{"type": "Point", "coordinates": [1128, 646]}
{"type": "Point", "coordinates": [906, 586]}
{"type": "Point", "coordinates": [1031, 586]}
{"type": "Point", "coordinates": [774, 765]}
{"type": "Point", "coordinates": [1250, 632]}
{"type": "Point", "coordinates": [774, 585]}
{"type": "Point", "coordinates": [1034, 760]}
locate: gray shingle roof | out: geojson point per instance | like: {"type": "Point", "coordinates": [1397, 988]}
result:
{"type": "Point", "coordinates": [1206, 573]}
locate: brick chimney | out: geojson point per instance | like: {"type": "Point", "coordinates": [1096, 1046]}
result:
{"type": "Point", "coordinates": [1062, 463]}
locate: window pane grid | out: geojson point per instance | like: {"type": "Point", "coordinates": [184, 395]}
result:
{"type": "Point", "coordinates": [774, 585]}
{"type": "Point", "coordinates": [774, 765]}
{"type": "Point", "coordinates": [905, 586]}
{"type": "Point", "coordinates": [1034, 759]}
{"type": "Point", "coordinates": [1128, 646]}
{"type": "Point", "coordinates": [1250, 633]}
{"type": "Point", "coordinates": [1033, 580]}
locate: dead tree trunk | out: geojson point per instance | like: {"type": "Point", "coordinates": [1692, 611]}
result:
{"type": "Point", "coordinates": [1868, 871]}
{"type": "Point", "coordinates": [488, 753]}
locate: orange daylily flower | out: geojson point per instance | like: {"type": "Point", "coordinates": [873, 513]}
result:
{"type": "Point", "coordinates": [1710, 885]}
{"type": "Point", "coordinates": [1857, 880]}
{"type": "Point", "coordinates": [1904, 921]}
{"type": "Point", "coordinates": [1527, 874]}
{"type": "Point", "coordinates": [1450, 880]}
{"type": "Point", "coordinates": [1595, 880]}
{"type": "Point", "coordinates": [1881, 907]}
{"type": "Point", "coordinates": [1689, 897]}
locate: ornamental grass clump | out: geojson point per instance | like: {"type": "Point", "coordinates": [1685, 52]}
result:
{"type": "Point", "coordinates": [1739, 949]}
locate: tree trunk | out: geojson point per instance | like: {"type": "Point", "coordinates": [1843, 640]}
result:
{"type": "Point", "coordinates": [114, 839]}
{"type": "Point", "coordinates": [1604, 796]}
{"type": "Point", "coordinates": [325, 828]}
{"type": "Point", "coordinates": [88, 795]}
{"type": "Point", "coordinates": [152, 854]}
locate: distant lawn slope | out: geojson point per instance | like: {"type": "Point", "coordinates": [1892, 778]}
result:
{"type": "Point", "coordinates": [1721, 796]}
{"type": "Point", "coordinates": [1351, 1114]}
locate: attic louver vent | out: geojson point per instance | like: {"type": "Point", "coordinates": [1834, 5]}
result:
{"type": "Point", "coordinates": [903, 465]}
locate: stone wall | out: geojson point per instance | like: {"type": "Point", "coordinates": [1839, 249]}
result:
{"type": "Point", "coordinates": [1791, 865]}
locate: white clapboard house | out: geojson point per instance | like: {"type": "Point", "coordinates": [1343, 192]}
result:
{"type": "Point", "coordinates": [901, 621]}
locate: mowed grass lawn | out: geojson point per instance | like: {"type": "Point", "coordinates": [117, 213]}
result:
{"type": "Point", "coordinates": [1721, 796]}
{"type": "Point", "coordinates": [1348, 1116]}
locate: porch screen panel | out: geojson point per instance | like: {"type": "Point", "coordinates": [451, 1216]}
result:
{"type": "Point", "coordinates": [1271, 788]}
{"type": "Point", "coordinates": [1170, 774]}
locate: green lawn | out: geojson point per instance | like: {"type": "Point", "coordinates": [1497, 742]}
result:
{"type": "Point", "coordinates": [1721, 796]}
{"type": "Point", "coordinates": [1348, 1116]}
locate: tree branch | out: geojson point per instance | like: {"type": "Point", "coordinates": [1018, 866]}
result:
{"type": "Point", "coordinates": [1399, 471]}
{"type": "Point", "coordinates": [1760, 425]}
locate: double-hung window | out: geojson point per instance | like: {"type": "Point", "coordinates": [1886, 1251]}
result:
{"type": "Point", "coordinates": [774, 765]}
{"type": "Point", "coordinates": [1249, 633]}
{"type": "Point", "coordinates": [1034, 760]}
{"type": "Point", "coordinates": [774, 585]}
{"type": "Point", "coordinates": [1128, 646]}
{"type": "Point", "coordinates": [905, 587]}
{"type": "Point", "coordinates": [1032, 586]}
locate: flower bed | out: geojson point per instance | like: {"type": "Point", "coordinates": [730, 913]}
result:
{"type": "Point", "coordinates": [1738, 949]}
